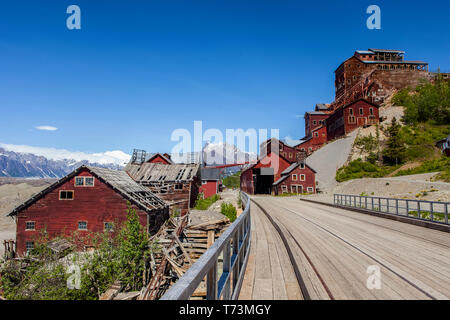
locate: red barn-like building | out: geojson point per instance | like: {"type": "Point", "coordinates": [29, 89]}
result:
{"type": "Point", "coordinates": [159, 158]}
{"type": "Point", "coordinates": [87, 200]}
{"type": "Point", "coordinates": [211, 183]}
{"type": "Point", "coordinates": [351, 116]}
{"type": "Point", "coordinates": [297, 178]}
{"type": "Point", "coordinates": [258, 178]}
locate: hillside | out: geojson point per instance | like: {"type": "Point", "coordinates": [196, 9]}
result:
{"type": "Point", "coordinates": [404, 142]}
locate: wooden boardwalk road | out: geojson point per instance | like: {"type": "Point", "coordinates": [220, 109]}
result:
{"type": "Point", "coordinates": [330, 253]}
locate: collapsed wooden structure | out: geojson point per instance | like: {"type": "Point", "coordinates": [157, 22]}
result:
{"type": "Point", "coordinates": [180, 244]}
{"type": "Point", "coordinates": [176, 184]}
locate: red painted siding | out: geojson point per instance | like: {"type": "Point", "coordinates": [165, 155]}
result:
{"type": "Point", "coordinates": [158, 159]}
{"type": "Point", "coordinates": [298, 185]}
{"type": "Point", "coordinates": [209, 188]}
{"type": "Point", "coordinates": [95, 205]}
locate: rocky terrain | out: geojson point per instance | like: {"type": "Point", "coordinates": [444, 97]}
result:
{"type": "Point", "coordinates": [11, 195]}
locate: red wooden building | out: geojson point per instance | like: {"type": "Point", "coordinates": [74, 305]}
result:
{"type": "Point", "coordinates": [314, 141]}
{"type": "Point", "coordinates": [87, 200]}
{"type": "Point", "coordinates": [297, 178]}
{"type": "Point", "coordinates": [351, 116]}
{"type": "Point", "coordinates": [211, 181]}
{"type": "Point", "coordinates": [259, 177]}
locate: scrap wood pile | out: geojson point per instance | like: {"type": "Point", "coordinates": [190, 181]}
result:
{"type": "Point", "coordinates": [181, 244]}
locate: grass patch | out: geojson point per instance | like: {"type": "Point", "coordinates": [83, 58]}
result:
{"type": "Point", "coordinates": [357, 169]}
{"type": "Point", "coordinates": [437, 216]}
{"type": "Point", "coordinates": [435, 165]}
{"type": "Point", "coordinates": [204, 204]}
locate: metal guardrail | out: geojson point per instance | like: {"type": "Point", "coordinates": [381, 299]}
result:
{"type": "Point", "coordinates": [418, 209]}
{"type": "Point", "coordinates": [233, 247]}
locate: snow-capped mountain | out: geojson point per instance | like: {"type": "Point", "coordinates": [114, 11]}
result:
{"type": "Point", "coordinates": [223, 153]}
{"type": "Point", "coordinates": [35, 162]}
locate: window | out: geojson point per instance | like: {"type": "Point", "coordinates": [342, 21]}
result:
{"type": "Point", "coordinates": [82, 225]}
{"type": "Point", "coordinates": [294, 177]}
{"type": "Point", "coordinates": [84, 181]}
{"type": "Point", "coordinates": [314, 122]}
{"type": "Point", "coordinates": [310, 189]}
{"type": "Point", "coordinates": [302, 177]}
{"type": "Point", "coordinates": [109, 226]}
{"type": "Point", "coordinates": [79, 181]}
{"type": "Point", "coordinates": [316, 134]}
{"type": "Point", "coordinates": [65, 195]}
{"type": "Point", "coordinates": [89, 181]}
{"type": "Point", "coordinates": [290, 155]}
{"type": "Point", "coordinates": [351, 119]}
{"type": "Point", "coordinates": [371, 111]}
{"type": "Point", "coordinates": [284, 188]}
{"type": "Point", "coordinates": [302, 149]}
{"type": "Point", "coordinates": [30, 225]}
{"type": "Point", "coordinates": [179, 186]}
{"type": "Point", "coordinates": [204, 182]}
{"type": "Point", "coordinates": [361, 111]}
{"type": "Point", "coordinates": [302, 165]}
{"type": "Point", "coordinates": [350, 111]}
{"type": "Point", "coordinates": [29, 246]}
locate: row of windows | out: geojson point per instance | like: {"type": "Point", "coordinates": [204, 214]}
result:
{"type": "Point", "coordinates": [361, 111]}
{"type": "Point", "coordinates": [84, 181]}
{"type": "Point", "coordinates": [82, 225]}
{"type": "Point", "coordinates": [296, 188]}
{"type": "Point", "coordinates": [318, 122]}
{"type": "Point", "coordinates": [294, 177]}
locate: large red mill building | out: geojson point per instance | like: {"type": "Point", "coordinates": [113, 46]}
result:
{"type": "Point", "coordinates": [362, 82]}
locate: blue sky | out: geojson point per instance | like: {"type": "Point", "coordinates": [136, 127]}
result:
{"type": "Point", "coordinates": [138, 70]}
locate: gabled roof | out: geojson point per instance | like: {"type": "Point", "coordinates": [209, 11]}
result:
{"type": "Point", "coordinates": [157, 172]}
{"type": "Point", "coordinates": [386, 50]}
{"type": "Point", "coordinates": [119, 181]}
{"type": "Point", "coordinates": [360, 99]}
{"type": "Point", "coordinates": [210, 173]}
{"type": "Point", "coordinates": [151, 156]}
{"type": "Point", "coordinates": [295, 165]}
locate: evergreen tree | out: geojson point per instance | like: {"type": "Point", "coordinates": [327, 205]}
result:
{"type": "Point", "coordinates": [394, 153]}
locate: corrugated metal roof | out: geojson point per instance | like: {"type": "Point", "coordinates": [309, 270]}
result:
{"type": "Point", "coordinates": [210, 173]}
{"type": "Point", "coordinates": [156, 172]}
{"type": "Point", "coordinates": [364, 52]}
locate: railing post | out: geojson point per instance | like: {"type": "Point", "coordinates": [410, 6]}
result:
{"type": "Point", "coordinates": [366, 203]}
{"type": "Point", "coordinates": [446, 213]}
{"type": "Point", "coordinates": [379, 204]}
{"type": "Point", "coordinates": [396, 206]}
{"type": "Point", "coordinates": [211, 282]}
{"type": "Point", "coordinates": [236, 257]}
{"type": "Point", "coordinates": [418, 210]}
{"type": "Point", "coordinates": [387, 205]}
{"type": "Point", "coordinates": [431, 211]}
{"type": "Point", "coordinates": [372, 202]}
{"type": "Point", "coordinates": [226, 268]}
{"type": "Point", "coordinates": [407, 208]}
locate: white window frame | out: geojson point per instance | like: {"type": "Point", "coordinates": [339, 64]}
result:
{"type": "Point", "coordinates": [83, 178]}
{"type": "Point", "coordinates": [302, 177]}
{"type": "Point", "coordinates": [310, 189]}
{"type": "Point", "coordinates": [294, 177]}
{"type": "Point", "coordinates": [27, 248]}
{"type": "Point", "coordinates": [29, 229]}
{"type": "Point", "coordinates": [82, 222]}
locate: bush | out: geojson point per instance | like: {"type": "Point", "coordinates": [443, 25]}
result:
{"type": "Point", "coordinates": [360, 169]}
{"type": "Point", "coordinates": [427, 102]}
{"type": "Point", "coordinates": [228, 210]}
{"type": "Point", "coordinates": [436, 165]}
{"type": "Point", "coordinates": [204, 204]}
{"type": "Point", "coordinates": [122, 258]}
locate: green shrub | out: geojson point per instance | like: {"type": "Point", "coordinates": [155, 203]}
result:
{"type": "Point", "coordinates": [360, 169]}
{"type": "Point", "coordinates": [228, 210]}
{"type": "Point", "coordinates": [122, 258]}
{"type": "Point", "coordinates": [204, 204]}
